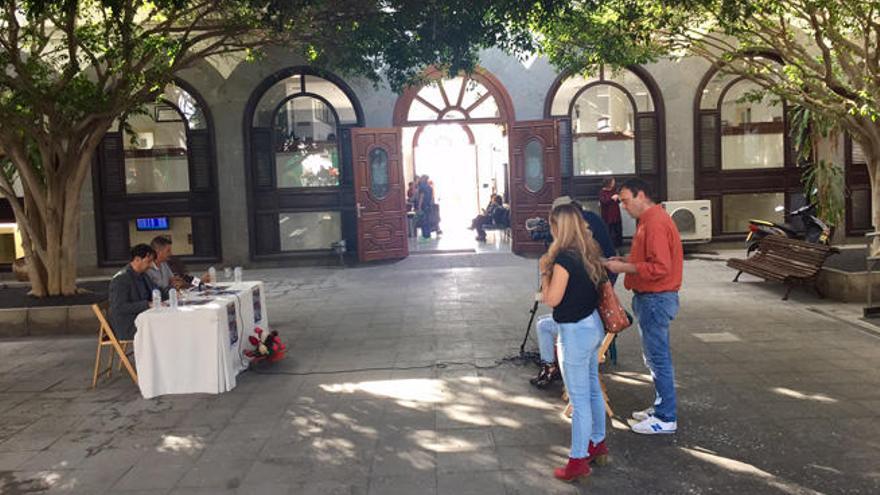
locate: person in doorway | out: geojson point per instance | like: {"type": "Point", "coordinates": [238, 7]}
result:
{"type": "Point", "coordinates": [131, 292]}
{"type": "Point", "coordinates": [435, 211]}
{"type": "Point", "coordinates": [494, 215]}
{"type": "Point", "coordinates": [426, 207]}
{"type": "Point", "coordinates": [609, 201]}
{"type": "Point", "coordinates": [653, 272]}
{"type": "Point", "coordinates": [571, 272]}
{"type": "Point", "coordinates": [412, 196]}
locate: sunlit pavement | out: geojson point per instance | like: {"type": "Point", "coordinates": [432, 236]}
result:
{"type": "Point", "coordinates": [392, 387]}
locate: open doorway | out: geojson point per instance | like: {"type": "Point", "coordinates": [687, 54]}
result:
{"type": "Point", "coordinates": [466, 166]}
{"type": "Point", "coordinates": [454, 130]}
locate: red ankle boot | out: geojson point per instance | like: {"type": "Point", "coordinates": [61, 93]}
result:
{"type": "Point", "coordinates": [576, 468]}
{"type": "Point", "coordinates": [597, 453]}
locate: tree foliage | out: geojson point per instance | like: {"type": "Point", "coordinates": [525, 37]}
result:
{"type": "Point", "coordinates": [822, 55]}
{"type": "Point", "coordinates": [70, 68]}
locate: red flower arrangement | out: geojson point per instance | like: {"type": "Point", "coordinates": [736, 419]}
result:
{"type": "Point", "coordinates": [267, 346]}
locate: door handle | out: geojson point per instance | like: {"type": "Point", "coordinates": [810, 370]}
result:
{"type": "Point", "coordinates": [359, 209]}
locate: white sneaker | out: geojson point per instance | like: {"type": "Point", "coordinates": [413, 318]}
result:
{"type": "Point", "coordinates": [643, 414]}
{"type": "Point", "coordinates": [653, 426]}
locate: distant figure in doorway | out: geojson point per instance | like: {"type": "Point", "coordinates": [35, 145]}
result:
{"type": "Point", "coordinates": [412, 196]}
{"type": "Point", "coordinates": [609, 200]}
{"type": "Point", "coordinates": [435, 211]}
{"type": "Point", "coordinates": [494, 215]}
{"type": "Point", "coordinates": [425, 210]}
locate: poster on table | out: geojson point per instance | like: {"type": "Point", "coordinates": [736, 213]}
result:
{"type": "Point", "coordinates": [232, 322]}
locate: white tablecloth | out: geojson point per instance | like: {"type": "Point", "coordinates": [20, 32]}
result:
{"type": "Point", "coordinates": [191, 349]}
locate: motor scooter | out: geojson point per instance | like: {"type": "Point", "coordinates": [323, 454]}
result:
{"type": "Point", "coordinates": [815, 230]}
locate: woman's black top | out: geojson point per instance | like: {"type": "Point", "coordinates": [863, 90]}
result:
{"type": "Point", "coordinates": [581, 297]}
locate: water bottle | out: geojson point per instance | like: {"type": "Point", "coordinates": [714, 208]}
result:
{"type": "Point", "coordinates": [172, 298]}
{"type": "Point", "coordinates": [237, 272]}
{"type": "Point", "coordinates": [157, 299]}
{"type": "Point", "coordinates": [227, 273]}
{"type": "Point", "coordinates": [212, 274]}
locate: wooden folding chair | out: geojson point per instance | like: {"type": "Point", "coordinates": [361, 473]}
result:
{"type": "Point", "coordinates": [603, 349]}
{"type": "Point", "coordinates": [106, 338]}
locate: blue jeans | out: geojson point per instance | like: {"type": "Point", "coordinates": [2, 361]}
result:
{"type": "Point", "coordinates": [655, 311]}
{"type": "Point", "coordinates": [547, 331]}
{"type": "Point", "coordinates": [579, 361]}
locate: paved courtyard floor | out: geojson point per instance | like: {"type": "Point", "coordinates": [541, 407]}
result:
{"type": "Point", "coordinates": [393, 386]}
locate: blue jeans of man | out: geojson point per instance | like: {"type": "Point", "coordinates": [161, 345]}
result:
{"type": "Point", "coordinates": [579, 361]}
{"type": "Point", "coordinates": [655, 311]}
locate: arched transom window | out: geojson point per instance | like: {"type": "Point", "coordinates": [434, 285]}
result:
{"type": "Point", "coordinates": [475, 98]}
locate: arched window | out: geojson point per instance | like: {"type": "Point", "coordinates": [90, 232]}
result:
{"type": "Point", "coordinates": [477, 98]}
{"type": "Point", "coordinates": [157, 176]}
{"type": "Point", "coordinates": [743, 159]}
{"type": "Point", "coordinates": [610, 123]}
{"type": "Point", "coordinates": [298, 123]}
{"type": "Point", "coordinates": [613, 123]}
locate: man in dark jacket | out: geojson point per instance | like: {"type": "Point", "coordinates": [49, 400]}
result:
{"type": "Point", "coordinates": [131, 291]}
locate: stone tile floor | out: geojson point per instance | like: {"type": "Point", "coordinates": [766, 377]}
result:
{"type": "Point", "coordinates": [392, 386]}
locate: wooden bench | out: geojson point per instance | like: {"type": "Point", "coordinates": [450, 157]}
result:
{"type": "Point", "coordinates": [785, 260]}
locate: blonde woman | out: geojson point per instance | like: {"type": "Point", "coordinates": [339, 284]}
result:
{"type": "Point", "coordinates": [571, 273]}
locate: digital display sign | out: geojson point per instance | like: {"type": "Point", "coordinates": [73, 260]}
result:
{"type": "Point", "coordinates": [152, 223]}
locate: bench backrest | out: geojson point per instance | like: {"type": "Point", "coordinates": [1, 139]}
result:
{"type": "Point", "coordinates": [793, 252]}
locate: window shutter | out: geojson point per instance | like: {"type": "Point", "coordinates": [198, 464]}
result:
{"type": "Point", "coordinates": [203, 234]}
{"type": "Point", "coordinates": [345, 156]}
{"type": "Point", "coordinates": [263, 158]}
{"type": "Point", "coordinates": [709, 152]}
{"type": "Point", "coordinates": [200, 160]}
{"type": "Point", "coordinates": [116, 241]}
{"type": "Point", "coordinates": [566, 161]}
{"type": "Point", "coordinates": [112, 163]}
{"type": "Point", "coordinates": [267, 234]}
{"type": "Point", "coordinates": [646, 134]}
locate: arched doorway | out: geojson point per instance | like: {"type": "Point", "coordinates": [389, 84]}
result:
{"type": "Point", "coordinates": [454, 129]}
{"type": "Point", "coordinates": [156, 175]}
{"type": "Point", "coordinates": [300, 179]}
{"type": "Point", "coordinates": [611, 124]}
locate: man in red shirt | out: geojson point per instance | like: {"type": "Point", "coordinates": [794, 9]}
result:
{"type": "Point", "coordinates": [653, 272]}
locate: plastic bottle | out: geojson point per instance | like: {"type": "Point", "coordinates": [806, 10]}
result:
{"type": "Point", "coordinates": [157, 299]}
{"type": "Point", "coordinates": [212, 274]}
{"type": "Point", "coordinates": [172, 298]}
{"type": "Point", "coordinates": [237, 273]}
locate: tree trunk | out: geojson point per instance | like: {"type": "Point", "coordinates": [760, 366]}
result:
{"type": "Point", "coordinates": [52, 256]}
{"type": "Point", "coordinates": [53, 273]}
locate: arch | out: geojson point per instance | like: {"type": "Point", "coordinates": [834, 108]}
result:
{"type": "Point", "coordinates": [269, 198]}
{"type": "Point", "coordinates": [743, 192]}
{"type": "Point", "coordinates": [115, 207]}
{"type": "Point", "coordinates": [648, 120]}
{"type": "Point", "coordinates": [466, 128]}
{"type": "Point", "coordinates": [642, 73]}
{"type": "Point", "coordinates": [495, 88]}
{"type": "Point", "coordinates": [301, 70]}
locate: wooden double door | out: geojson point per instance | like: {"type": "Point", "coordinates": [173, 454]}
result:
{"type": "Point", "coordinates": [379, 186]}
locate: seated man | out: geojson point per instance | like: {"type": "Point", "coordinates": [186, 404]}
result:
{"type": "Point", "coordinates": [161, 272]}
{"type": "Point", "coordinates": [131, 292]}
{"type": "Point", "coordinates": [494, 215]}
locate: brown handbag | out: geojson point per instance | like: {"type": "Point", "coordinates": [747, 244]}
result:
{"type": "Point", "coordinates": [614, 316]}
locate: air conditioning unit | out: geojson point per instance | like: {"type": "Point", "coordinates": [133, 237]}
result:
{"type": "Point", "coordinates": [693, 219]}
